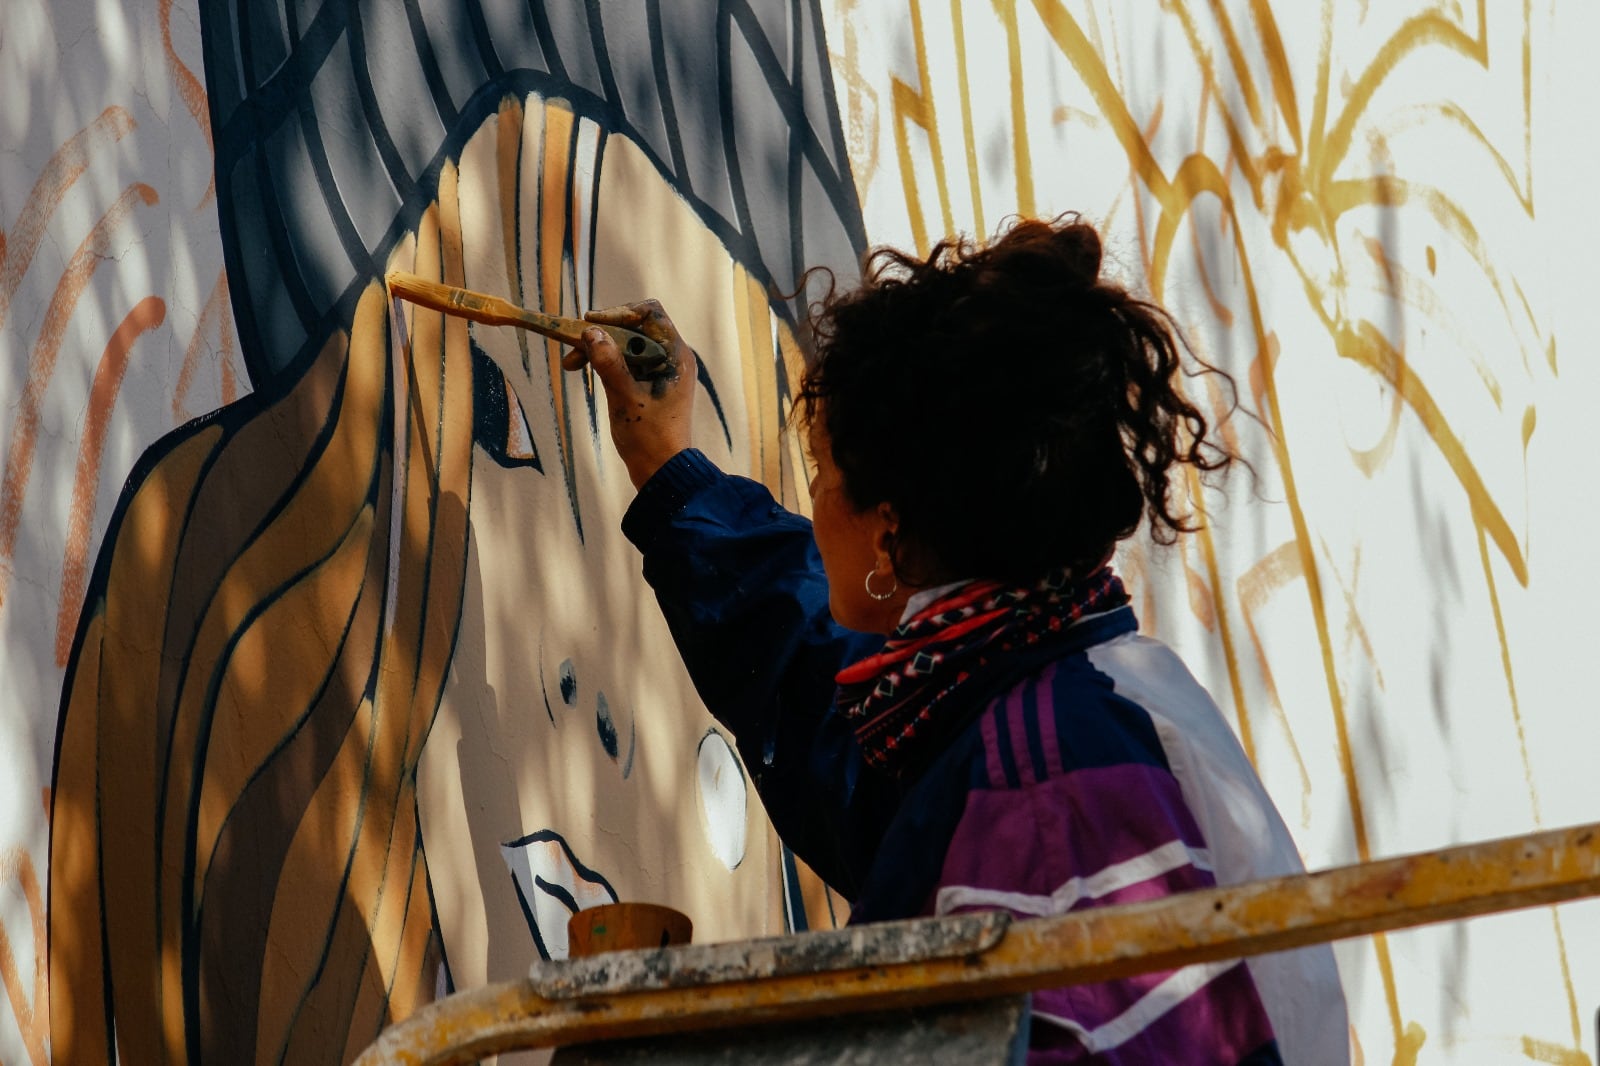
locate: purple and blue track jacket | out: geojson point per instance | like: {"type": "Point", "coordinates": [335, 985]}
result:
{"type": "Point", "coordinates": [1101, 773]}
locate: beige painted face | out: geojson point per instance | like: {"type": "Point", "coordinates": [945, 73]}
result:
{"type": "Point", "coordinates": [567, 711]}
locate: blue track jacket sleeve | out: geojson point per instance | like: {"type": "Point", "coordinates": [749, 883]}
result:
{"type": "Point", "coordinates": [741, 585]}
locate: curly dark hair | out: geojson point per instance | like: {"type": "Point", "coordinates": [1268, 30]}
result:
{"type": "Point", "coordinates": [1018, 411]}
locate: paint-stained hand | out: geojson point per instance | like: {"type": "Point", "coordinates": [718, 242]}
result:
{"type": "Point", "coordinates": [651, 421]}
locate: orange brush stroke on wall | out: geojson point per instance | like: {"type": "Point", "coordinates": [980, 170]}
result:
{"type": "Point", "coordinates": [95, 249]}
{"type": "Point", "coordinates": [190, 89]}
{"type": "Point", "coordinates": [214, 310]}
{"type": "Point", "coordinates": [32, 1019]}
{"type": "Point", "coordinates": [59, 174]}
{"type": "Point", "coordinates": [146, 315]}
{"type": "Point", "coordinates": [230, 383]}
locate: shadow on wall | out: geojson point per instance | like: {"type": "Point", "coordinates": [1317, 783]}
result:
{"type": "Point", "coordinates": [235, 831]}
{"type": "Point", "coordinates": [236, 860]}
{"type": "Point", "coordinates": [112, 342]}
{"type": "Point", "coordinates": [732, 103]}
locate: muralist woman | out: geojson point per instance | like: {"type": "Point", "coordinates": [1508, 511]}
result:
{"type": "Point", "coordinates": [937, 683]}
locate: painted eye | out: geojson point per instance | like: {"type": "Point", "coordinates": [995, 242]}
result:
{"type": "Point", "coordinates": [499, 425]}
{"type": "Point", "coordinates": [569, 683]}
{"type": "Point", "coordinates": [605, 725]}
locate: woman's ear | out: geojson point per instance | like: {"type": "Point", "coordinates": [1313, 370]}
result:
{"type": "Point", "coordinates": [888, 525]}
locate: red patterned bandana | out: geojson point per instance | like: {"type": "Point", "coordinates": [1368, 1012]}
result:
{"type": "Point", "coordinates": [896, 697]}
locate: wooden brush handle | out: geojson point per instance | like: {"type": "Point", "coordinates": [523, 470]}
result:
{"type": "Point", "coordinates": [646, 359]}
{"type": "Point", "coordinates": [481, 307]}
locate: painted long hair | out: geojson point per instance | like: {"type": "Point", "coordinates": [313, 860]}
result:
{"type": "Point", "coordinates": [236, 866]}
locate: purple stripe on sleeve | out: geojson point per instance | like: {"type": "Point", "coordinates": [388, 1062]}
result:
{"type": "Point", "coordinates": [1019, 735]}
{"type": "Point", "coordinates": [991, 752]}
{"type": "Point", "coordinates": [1044, 695]}
{"type": "Point", "coordinates": [1033, 840]}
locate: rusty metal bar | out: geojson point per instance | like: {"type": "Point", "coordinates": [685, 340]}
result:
{"type": "Point", "coordinates": [1085, 946]}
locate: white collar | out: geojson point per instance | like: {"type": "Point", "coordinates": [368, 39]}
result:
{"type": "Point", "coordinates": [921, 599]}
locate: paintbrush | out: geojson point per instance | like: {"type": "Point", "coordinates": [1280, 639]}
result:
{"type": "Point", "coordinates": [646, 359]}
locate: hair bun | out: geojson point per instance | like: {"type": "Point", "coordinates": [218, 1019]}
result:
{"type": "Point", "coordinates": [1078, 245]}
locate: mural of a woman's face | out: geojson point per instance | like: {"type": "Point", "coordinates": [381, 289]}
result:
{"type": "Point", "coordinates": [478, 668]}
{"type": "Point", "coordinates": [571, 757]}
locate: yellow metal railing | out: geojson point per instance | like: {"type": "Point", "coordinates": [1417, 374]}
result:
{"type": "Point", "coordinates": [931, 960]}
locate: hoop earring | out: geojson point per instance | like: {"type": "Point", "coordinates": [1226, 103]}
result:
{"type": "Point", "coordinates": [881, 595]}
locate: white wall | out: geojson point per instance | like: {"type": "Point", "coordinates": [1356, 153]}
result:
{"type": "Point", "coordinates": [1427, 687]}
{"type": "Point", "coordinates": [109, 224]}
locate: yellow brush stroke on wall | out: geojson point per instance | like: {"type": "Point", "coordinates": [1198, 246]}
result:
{"type": "Point", "coordinates": [1416, 33]}
{"type": "Point", "coordinates": [1547, 1051]}
{"type": "Point", "coordinates": [1278, 568]}
{"type": "Point", "coordinates": [451, 422]}
{"type": "Point", "coordinates": [1197, 175]}
{"type": "Point", "coordinates": [1390, 192]}
{"type": "Point", "coordinates": [1222, 426]}
{"type": "Point", "coordinates": [1219, 309]}
{"type": "Point", "coordinates": [914, 105]}
{"type": "Point", "coordinates": [1308, 196]}
{"type": "Point", "coordinates": [968, 132]}
{"type": "Point", "coordinates": [1355, 629]}
{"type": "Point", "coordinates": [1319, 614]}
{"type": "Point", "coordinates": [1021, 155]}
{"type": "Point", "coordinates": [1141, 223]}
{"type": "Point", "coordinates": [1409, 1040]}
{"type": "Point", "coordinates": [1527, 767]}
{"type": "Point", "coordinates": [555, 202]}
{"type": "Point", "coordinates": [1277, 60]}
{"type": "Point", "coordinates": [1452, 114]}
{"type": "Point", "coordinates": [1239, 153]}
{"type": "Point", "coordinates": [752, 315]}
{"type": "Point", "coordinates": [796, 495]}
{"type": "Point", "coordinates": [1319, 95]}
{"type": "Point", "coordinates": [1297, 208]}
{"type": "Point", "coordinates": [509, 146]}
{"type": "Point", "coordinates": [1365, 345]}
{"type": "Point", "coordinates": [1242, 78]}
{"type": "Point", "coordinates": [1222, 626]}
{"type": "Point", "coordinates": [1076, 47]}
